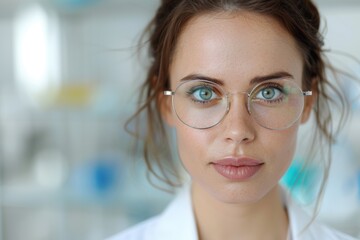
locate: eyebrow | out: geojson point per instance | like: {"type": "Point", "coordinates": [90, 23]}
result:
{"type": "Point", "coordinates": [253, 81]}
{"type": "Point", "coordinates": [202, 77]}
{"type": "Point", "coordinates": [271, 76]}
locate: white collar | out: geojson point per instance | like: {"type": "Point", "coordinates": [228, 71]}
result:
{"type": "Point", "coordinates": [177, 222]}
{"type": "Point", "coordinates": [177, 218]}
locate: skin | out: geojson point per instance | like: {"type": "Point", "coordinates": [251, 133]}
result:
{"type": "Point", "coordinates": [235, 48]}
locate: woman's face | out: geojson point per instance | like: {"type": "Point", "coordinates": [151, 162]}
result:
{"type": "Point", "coordinates": [236, 160]}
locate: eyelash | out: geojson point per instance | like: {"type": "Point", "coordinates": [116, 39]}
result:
{"type": "Point", "coordinates": [272, 85]}
{"type": "Point", "coordinates": [279, 87]}
{"type": "Point", "coordinates": [190, 93]}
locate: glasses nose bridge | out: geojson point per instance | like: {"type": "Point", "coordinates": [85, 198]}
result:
{"type": "Point", "coordinates": [238, 92]}
{"type": "Point", "coordinates": [231, 95]}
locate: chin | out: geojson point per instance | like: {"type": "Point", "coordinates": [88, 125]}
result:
{"type": "Point", "coordinates": [239, 193]}
{"type": "Point", "coordinates": [240, 197]}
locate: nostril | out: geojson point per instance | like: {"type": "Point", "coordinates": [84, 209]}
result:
{"type": "Point", "coordinates": [238, 142]}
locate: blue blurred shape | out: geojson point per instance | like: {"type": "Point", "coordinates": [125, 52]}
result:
{"type": "Point", "coordinates": [98, 179]}
{"type": "Point", "coordinates": [104, 174]}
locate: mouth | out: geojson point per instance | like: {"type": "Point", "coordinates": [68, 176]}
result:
{"type": "Point", "coordinates": [240, 169]}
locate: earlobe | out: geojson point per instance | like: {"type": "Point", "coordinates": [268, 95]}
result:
{"type": "Point", "coordinates": [164, 103]}
{"type": "Point", "coordinates": [306, 113]}
{"type": "Point", "coordinates": [309, 103]}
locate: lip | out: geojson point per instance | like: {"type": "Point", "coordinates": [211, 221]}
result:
{"type": "Point", "coordinates": [237, 168]}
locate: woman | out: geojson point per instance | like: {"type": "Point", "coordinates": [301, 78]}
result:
{"type": "Point", "coordinates": [235, 80]}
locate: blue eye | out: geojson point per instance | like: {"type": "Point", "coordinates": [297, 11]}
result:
{"type": "Point", "coordinates": [269, 93]}
{"type": "Point", "coordinates": [203, 93]}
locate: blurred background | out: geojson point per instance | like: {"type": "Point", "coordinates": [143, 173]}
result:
{"type": "Point", "coordinates": [69, 73]}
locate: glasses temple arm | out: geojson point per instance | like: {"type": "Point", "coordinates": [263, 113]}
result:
{"type": "Point", "coordinates": [169, 93]}
{"type": "Point", "coordinates": [307, 93]}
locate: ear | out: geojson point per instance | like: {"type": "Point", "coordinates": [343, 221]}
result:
{"type": "Point", "coordinates": [309, 102]}
{"type": "Point", "coordinates": [165, 105]}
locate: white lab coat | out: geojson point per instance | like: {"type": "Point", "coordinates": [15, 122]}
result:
{"type": "Point", "coordinates": [177, 222]}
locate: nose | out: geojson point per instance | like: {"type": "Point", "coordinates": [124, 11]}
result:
{"type": "Point", "coordinates": [238, 124]}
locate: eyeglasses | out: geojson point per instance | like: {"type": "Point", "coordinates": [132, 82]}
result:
{"type": "Point", "coordinates": [274, 104]}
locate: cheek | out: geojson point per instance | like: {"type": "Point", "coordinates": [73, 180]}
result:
{"type": "Point", "coordinates": [188, 141]}
{"type": "Point", "coordinates": [192, 145]}
{"type": "Point", "coordinates": [282, 147]}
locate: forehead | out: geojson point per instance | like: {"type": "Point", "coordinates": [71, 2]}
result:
{"type": "Point", "coordinates": [235, 47]}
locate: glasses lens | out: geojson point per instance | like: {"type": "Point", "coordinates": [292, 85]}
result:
{"type": "Point", "coordinates": [276, 104]}
{"type": "Point", "coordinates": [200, 104]}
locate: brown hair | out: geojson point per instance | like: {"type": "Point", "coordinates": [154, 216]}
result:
{"type": "Point", "coordinates": [299, 17]}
